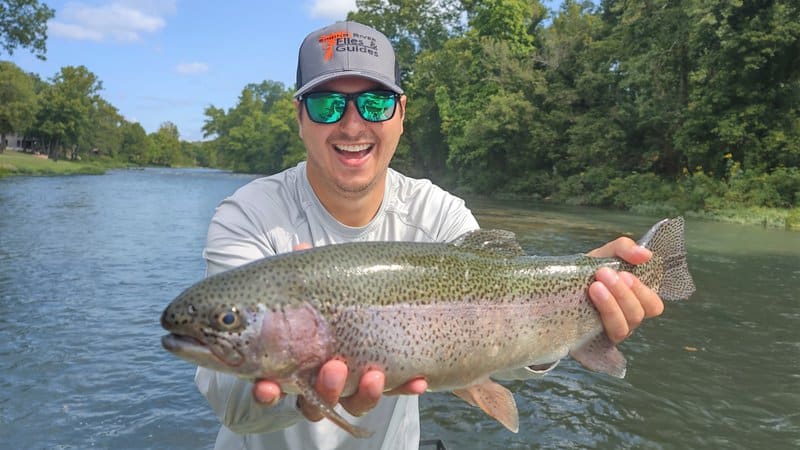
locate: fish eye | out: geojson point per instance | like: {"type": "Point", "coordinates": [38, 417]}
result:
{"type": "Point", "coordinates": [229, 319]}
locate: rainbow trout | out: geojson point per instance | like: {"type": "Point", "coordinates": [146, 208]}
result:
{"type": "Point", "coordinates": [453, 313]}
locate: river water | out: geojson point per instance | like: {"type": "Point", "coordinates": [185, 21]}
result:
{"type": "Point", "coordinates": [87, 264]}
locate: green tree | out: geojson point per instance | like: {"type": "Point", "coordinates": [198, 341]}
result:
{"type": "Point", "coordinates": [18, 101]}
{"type": "Point", "coordinates": [134, 143]}
{"type": "Point", "coordinates": [103, 136]}
{"type": "Point", "coordinates": [65, 110]}
{"type": "Point", "coordinates": [455, 87]}
{"type": "Point", "coordinates": [744, 85]}
{"type": "Point", "coordinates": [258, 132]}
{"type": "Point", "coordinates": [512, 21]}
{"type": "Point", "coordinates": [165, 146]}
{"type": "Point", "coordinates": [23, 23]}
{"type": "Point", "coordinates": [285, 145]}
{"type": "Point", "coordinates": [413, 26]}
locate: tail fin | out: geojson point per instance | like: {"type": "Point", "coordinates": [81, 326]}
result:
{"type": "Point", "coordinates": [666, 241]}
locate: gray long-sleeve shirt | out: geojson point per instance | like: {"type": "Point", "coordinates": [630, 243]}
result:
{"type": "Point", "coordinates": [271, 215]}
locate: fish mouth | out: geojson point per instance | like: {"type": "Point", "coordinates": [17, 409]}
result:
{"type": "Point", "coordinates": [194, 350]}
{"type": "Point", "coordinates": [180, 344]}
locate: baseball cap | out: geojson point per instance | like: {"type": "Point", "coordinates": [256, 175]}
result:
{"type": "Point", "coordinates": [346, 49]}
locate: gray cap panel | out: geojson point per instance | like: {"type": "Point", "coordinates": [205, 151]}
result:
{"type": "Point", "coordinates": [346, 49]}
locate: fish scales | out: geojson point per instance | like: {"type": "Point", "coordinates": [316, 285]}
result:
{"type": "Point", "coordinates": [452, 313]}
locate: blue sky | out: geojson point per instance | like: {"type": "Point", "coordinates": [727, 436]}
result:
{"type": "Point", "coordinates": [167, 60]}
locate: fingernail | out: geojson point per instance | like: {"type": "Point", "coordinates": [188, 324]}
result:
{"type": "Point", "coordinates": [628, 278]}
{"type": "Point", "coordinates": [265, 397]}
{"type": "Point", "coordinates": [600, 293]}
{"type": "Point", "coordinates": [607, 276]}
{"type": "Point", "coordinates": [332, 380]}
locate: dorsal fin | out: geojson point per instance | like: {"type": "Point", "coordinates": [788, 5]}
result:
{"type": "Point", "coordinates": [500, 243]}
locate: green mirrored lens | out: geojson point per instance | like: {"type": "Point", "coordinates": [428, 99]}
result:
{"type": "Point", "coordinates": [376, 106]}
{"type": "Point", "coordinates": [372, 106]}
{"type": "Point", "coordinates": [327, 107]}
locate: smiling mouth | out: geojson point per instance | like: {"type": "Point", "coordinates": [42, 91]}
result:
{"type": "Point", "coordinates": [354, 151]}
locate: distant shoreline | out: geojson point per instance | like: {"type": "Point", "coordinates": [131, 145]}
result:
{"type": "Point", "coordinates": [15, 163]}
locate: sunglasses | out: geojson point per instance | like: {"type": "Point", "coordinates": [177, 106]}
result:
{"type": "Point", "coordinates": [372, 106]}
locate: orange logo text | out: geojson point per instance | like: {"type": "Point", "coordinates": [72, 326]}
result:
{"type": "Point", "coordinates": [329, 39]}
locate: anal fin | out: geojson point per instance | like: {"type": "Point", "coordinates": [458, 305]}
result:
{"type": "Point", "coordinates": [310, 395]}
{"type": "Point", "coordinates": [494, 400]}
{"type": "Point", "coordinates": [601, 355]}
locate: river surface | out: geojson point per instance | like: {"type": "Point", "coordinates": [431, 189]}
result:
{"type": "Point", "coordinates": [87, 264]}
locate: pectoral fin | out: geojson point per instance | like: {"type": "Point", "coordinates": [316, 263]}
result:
{"type": "Point", "coordinates": [601, 355]}
{"type": "Point", "coordinates": [310, 395]}
{"type": "Point", "coordinates": [494, 400]}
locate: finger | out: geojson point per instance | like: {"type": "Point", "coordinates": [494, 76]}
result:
{"type": "Point", "coordinates": [651, 302]}
{"type": "Point", "coordinates": [266, 393]}
{"type": "Point", "coordinates": [329, 386]}
{"type": "Point", "coordinates": [417, 386]}
{"type": "Point", "coordinates": [301, 246]}
{"type": "Point", "coordinates": [624, 248]}
{"type": "Point", "coordinates": [619, 308]}
{"type": "Point", "coordinates": [370, 389]}
{"type": "Point", "coordinates": [627, 300]}
{"type": "Point", "coordinates": [614, 323]}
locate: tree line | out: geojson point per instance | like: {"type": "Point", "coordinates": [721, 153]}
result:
{"type": "Point", "coordinates": [664, 104]}
{"type": "Point", "coordinates": [684, 104]}
{"type": "Point", "coordinates": [67, 118]}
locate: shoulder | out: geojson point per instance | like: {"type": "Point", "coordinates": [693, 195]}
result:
{"type": "Point", "coordinates": [256, 220]}
{"type": "Point", "coordinates": [420, 191]}
{"type": "Point", "coordinates": [419, 202]}
{"type": "Point", "coordinates": [269, 197]}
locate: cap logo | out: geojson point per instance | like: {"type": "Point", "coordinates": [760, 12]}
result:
{"type": "Point", "coordinates": [345, 41]}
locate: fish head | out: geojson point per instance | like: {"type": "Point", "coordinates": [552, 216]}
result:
{"type": "Point", "coordinates": [210, 328]}
{"type": "Point", "coordinates": [225, 324]}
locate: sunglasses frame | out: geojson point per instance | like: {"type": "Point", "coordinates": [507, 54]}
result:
{"type": "Point", "coordinates": [348, 98]}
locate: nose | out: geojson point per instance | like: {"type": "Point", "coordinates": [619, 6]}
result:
{"type": "Point", "coordinates": [352, 123]}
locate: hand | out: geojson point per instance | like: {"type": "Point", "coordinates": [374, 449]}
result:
{"type": "Point", "coordinates": [330, 384]}
{"type": "Point", "coordinates": [622, 300]}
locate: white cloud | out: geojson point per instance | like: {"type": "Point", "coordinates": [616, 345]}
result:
{"type": "Point", "coordinates": [122, 20]}
{"type": "Point", "coordinates": [191, 68]}
{"type": "Point", "coordinates": [332, 9]}
{"type": "Point", "coordinates": [75, 32]}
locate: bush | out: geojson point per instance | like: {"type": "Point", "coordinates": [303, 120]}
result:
{"type": "Point", "coordinates": [779, 189]}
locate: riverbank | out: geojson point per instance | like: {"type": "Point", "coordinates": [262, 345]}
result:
{"type": "Point", "coordinates": [779, 218]}
{"type": "Point", "coordinates": [17, 163]}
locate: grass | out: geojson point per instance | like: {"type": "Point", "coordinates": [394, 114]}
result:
{"type": "Point", "coordinates": [18, 163]}
{"type": "Point", "coordinates": [762, 216]}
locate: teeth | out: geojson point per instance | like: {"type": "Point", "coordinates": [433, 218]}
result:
{"type": "Point", "coordinates": [353, 148]}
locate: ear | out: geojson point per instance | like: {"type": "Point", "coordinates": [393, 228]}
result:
{"type": "Point", "coordinates": [299, 108]}
{"type": "Point", "coordinates": [403, 100]}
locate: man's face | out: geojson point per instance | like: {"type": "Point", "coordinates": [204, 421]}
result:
{"type": "Point", "coordinates": [349, 157]}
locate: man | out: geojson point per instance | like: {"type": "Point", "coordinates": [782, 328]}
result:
{"type": "Point", "coordinates": [350, 110]}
